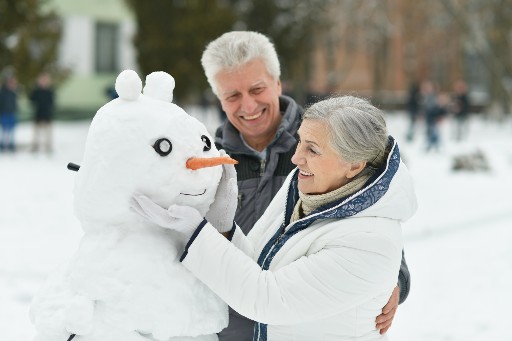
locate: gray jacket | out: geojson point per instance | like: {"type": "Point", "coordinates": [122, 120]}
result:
{"type": "Point", "coordinates": [258, 182]}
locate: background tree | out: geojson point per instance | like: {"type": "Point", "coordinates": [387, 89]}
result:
{"type": "Point", "coordinates": [487, 28]}
{"type": "Point", "coordinates": [172, 35]}
{"type": "Point", "coordinates": [376, 45]}
{"type": "Point", "coordinates": [292, 25]}
{"type": "Point", "coordinates": [369, 27]}
{"type": "Point", "coordinates": [29, 38]}
{"type": "Point", "coordinates": [398, 41]}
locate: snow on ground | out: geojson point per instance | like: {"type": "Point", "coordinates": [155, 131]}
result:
{"type": "Point", "coordinates": [457, 246]}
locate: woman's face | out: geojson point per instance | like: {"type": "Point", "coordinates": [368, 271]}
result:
{"type": "Point", "coordinates": [321, 169]}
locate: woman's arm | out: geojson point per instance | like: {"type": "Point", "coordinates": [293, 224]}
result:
{"type": "Point", "coordinates": [339, 277]}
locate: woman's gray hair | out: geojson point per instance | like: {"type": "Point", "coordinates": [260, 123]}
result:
{"type": "Point", "coordinates": [356, 129]}
{"type": "Point", "coordinates": [235, 49]}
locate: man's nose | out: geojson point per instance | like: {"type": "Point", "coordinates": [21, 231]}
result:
{"type": "Point", "coordinates": [249, 104]}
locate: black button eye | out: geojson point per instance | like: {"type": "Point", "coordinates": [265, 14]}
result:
{"type": "Point", "coordinates": [207, 143]}
{"type": "Point", "coordinates": [163, 146]}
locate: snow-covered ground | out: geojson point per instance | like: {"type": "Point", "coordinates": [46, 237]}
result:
{"type": "Point", "coordinates": [458, 246]}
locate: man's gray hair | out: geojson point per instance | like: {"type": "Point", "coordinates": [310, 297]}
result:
{"type": "Point", "coordinates": [356, 129]}
{"type": "Point", "coordinates": [235, 49]}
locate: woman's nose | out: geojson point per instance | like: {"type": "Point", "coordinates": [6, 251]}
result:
{"type": "Point", "coordinates": [297, 159]}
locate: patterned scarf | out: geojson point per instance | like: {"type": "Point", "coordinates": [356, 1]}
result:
{"type": "Point", "coordinates": [307, 203]}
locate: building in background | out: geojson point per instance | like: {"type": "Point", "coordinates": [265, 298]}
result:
{"type": "Point", "coordinates": [378, 49]}
{"type": "Point", "coordinates": [96, 45]}
{"type": "Point", "coordinates": [373, 49]}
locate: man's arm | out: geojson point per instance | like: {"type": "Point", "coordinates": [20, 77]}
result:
{"type": "Point", "coordinates": [399, 295]}
{"type": "Point", "coordinates": [404, 280]}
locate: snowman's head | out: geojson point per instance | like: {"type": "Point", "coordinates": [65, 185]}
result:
{"type": "Point", "coordinates": [142, 142]}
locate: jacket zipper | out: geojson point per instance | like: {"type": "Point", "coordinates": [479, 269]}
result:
{"type": "Point", "coordinates": [280, 236]}
{"type": "Point", "coordinates": [262, 167]}
{"type": "Point", "coordinates": [276, 241]}
{"type": "Point", "coordinates": [240, 197]}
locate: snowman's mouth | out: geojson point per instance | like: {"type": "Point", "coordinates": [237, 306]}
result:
{"type": "Point", "coordinates": [194, 195]}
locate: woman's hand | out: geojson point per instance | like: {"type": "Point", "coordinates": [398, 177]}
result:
{"type": "Point", "coordinates": [222, 211]}
{"type": "Point", "coordinates": [183, 219]}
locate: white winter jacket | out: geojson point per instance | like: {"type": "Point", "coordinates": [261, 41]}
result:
{"type": "Point", "coordinates": [323, 277]}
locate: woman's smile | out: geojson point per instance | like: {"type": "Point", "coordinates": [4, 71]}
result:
{"type": "Point", "coordinates": [304, 174]}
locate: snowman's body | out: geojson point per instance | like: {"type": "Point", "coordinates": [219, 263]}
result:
{"type": "Point", "coordinates": [126, 282]}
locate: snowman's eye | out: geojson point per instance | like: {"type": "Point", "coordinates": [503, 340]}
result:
{"type": "Point", "coordinates": [207, 143]}
{"type": "Point", "coordinates": [163, 146]}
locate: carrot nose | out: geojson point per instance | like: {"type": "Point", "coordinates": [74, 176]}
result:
{"type": "Point", "coordinates": [200, 162]}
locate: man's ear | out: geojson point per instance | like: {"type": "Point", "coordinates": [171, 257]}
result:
{"type": "Point", "coordinates": [356, 168]}
{"type": "Point", "coordinates": [279, 87]}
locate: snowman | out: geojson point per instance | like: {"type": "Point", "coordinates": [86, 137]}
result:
{"type": "Point", "coordinates": [125, 282]}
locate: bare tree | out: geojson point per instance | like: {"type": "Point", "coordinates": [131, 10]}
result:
{"type": "Point", "coordinates": [488, 33]}
{"type": "Point", "coordinates": [172, 35]}
{"type": "Point", "coordinates": [294, 26]}
{"type": "Point", "coordinates": [29, 38]}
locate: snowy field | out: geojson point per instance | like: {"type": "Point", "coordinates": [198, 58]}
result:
{"type": "Point", "coordinates": [458, 246]}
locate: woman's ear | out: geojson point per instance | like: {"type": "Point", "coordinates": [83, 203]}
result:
{"type": "Point", "coordinates": [356, 168]}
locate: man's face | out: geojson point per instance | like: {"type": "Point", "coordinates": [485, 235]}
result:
{"type": "Point", "coordinates": [250, 98]}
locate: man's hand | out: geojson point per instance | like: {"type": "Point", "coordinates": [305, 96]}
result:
{"type": "Point", "coordinates": [384, 320]}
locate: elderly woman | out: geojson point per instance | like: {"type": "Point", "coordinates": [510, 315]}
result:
{"type": "Point", "coordinates": [324, 257]}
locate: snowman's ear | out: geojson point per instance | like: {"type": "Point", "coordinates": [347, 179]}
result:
{"type": "Point", "coordinates": [128, 85]}
{"type": "Point", "coordinates": [159, 85]}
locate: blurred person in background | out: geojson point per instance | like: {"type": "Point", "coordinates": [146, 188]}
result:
{"type": "Point", "coordinates": [260, 132]}
{"type": "Point", "coordinates": [111, 93]}
{"type": "Point", "coordinates": [42, 98]}
{"type": "Point", "coordinates": [461, 109]}
{"type": "Point", "coordinates": [428, 94]}
{"type": "Point", "coordinates": [413, 108]}
{"type": "Point", "coordinates": [8, 113]}
{"type": "Point", "coordinates": [434, 115]}
{"type": "Point", "coordinates": [428, 109]}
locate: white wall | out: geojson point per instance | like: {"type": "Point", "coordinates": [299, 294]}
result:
{"type": "Point", "coordinates": [85, 89]}
{"type": "Point", "coordinates": [77, 45]}
{"type": "Point", "coordinates": [127, 53]}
